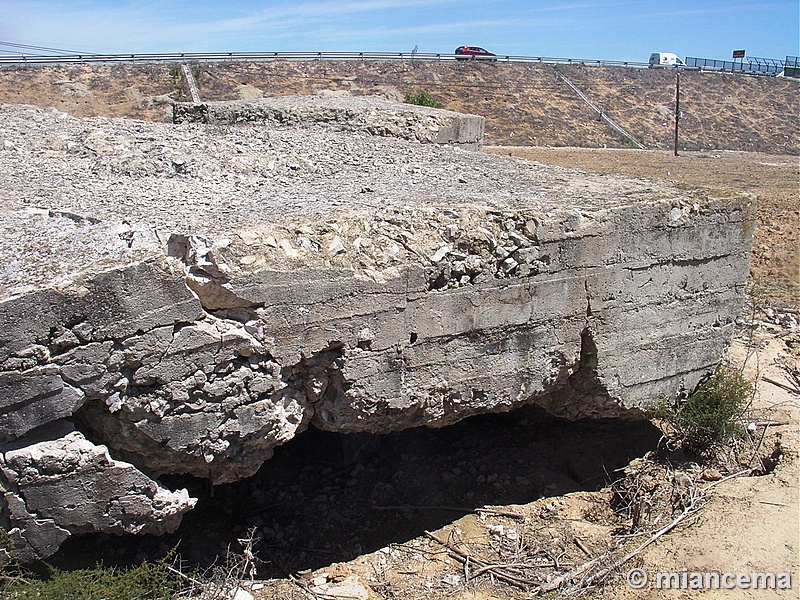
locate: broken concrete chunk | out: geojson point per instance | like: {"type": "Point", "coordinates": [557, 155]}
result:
{"type": "Point", "coordinates": [66, 485]}
{"type": "Point", "coordinates": [440, 253]}
{"type": "Point", "coordinates": [335, 246]}
{"type": "Point", "coordinates": [32, 398]}
{"type": "Point", "coordinates": [374, 116]}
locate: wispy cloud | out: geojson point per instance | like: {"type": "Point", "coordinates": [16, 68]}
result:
{"type": "Point", "coordinates": [319, 11]}
{"type": "Point", "coordinates": [562, 26]}
{"type": "Point", "coordinates": [127, 25]}
{"type": "Point", "coordinates": [453, 30]}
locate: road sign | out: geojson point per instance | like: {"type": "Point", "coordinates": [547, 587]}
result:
{"type": "Point", "coordinates": [738, 54]}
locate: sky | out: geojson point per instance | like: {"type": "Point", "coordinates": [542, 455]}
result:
{"type": "Point", "coordinates": [612, 30]}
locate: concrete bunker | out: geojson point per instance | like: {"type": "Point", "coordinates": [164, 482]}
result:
{"type": "Point", "coordinates": [219, 290]}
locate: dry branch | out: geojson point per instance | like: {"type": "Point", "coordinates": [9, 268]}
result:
{"type": "Point", "coordinates": [583, 547]}
{"type": "Point", "coordinates": [585, 578]}
{"type": "Point", "coordinates": [497, 512]}
{"type": "Point", "coordinates": [484, 566]}
{"type": "Point", "coordinates": [784, 386]}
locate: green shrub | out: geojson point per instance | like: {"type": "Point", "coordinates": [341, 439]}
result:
{"type": "Point", "coordinates": [422, 99]}
{"type": "Point", "coordinates": [709, 417]}
{"type": "Point", "coordinates": [7, 551]}
{"type": "Point", "coordinates": [148, 581]}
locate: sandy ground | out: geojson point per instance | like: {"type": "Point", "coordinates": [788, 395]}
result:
{"type": "Point", "coordinates": [751, 524]}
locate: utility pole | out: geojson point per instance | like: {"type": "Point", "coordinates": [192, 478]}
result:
{"type": "Point", "coordinates": [677, 109]}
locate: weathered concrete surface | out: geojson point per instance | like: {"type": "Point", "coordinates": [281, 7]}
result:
{"type": "Point", "coordinates": [57, 483]}
{"type": "Point", "coordinates": [375, 116]}
{"type": "Point", "coordinates": [193, 296]}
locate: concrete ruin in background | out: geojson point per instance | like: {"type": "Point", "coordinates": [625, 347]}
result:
{"type": "Point", "coordinates": [374, 116]}
{"type": "Point", "coordinates": [183, 299]}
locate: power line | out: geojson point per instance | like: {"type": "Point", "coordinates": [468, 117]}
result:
{"type": "Point", "coordinates": [39, 48]}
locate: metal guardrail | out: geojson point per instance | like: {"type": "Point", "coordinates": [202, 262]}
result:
{"type": "Point", "coordinates": [42, 59]}
{"type": "Point", "coordinates": [791, 67]}
{"type": "Point", "coordinates": [750, 65]}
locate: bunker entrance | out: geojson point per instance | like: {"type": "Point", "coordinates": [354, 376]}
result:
{"type": "Point", "coordinates": [326, 497]}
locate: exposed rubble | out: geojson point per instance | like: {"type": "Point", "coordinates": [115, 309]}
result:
{"type": "Point", "coordinates": [192, 296]}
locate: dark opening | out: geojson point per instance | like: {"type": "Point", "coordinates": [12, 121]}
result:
{"type": "Point", "coordinates": [328, 497]}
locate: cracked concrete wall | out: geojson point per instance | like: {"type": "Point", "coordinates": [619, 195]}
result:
{"type": "Point", "coordinates": [197, 316]}
{"type": "Point", "coordinates": [58, 483]}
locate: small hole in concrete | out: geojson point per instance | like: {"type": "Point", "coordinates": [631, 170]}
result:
{"type": "Point", "coordinates": [413, 338]}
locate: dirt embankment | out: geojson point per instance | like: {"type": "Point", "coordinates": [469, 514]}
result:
{"type": "Point", "coordinates": [524, 104]}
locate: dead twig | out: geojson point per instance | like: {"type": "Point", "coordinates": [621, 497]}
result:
{"type": "Point", "coordinates": [498, 512]}
{"type": "Point", "coordinates": [200, 584]}
{"type": "Point", "coordinates": [757, 449]}
{"type": "Point", "coordinates": [570, 575]}
{"type": "Point", "coordinates": [414, 549]}
{"type": "Point", "coordinates": [583, 547]}
{"type": "Point", "coordinates": [14, 579]}
{"type": "Point", "coordinates": [589, 579]}
{"type": "Point", "coordinates": [784, 386]}
{"type": "Point", "coordinates": [422, 507]}
{"type": "Point", "coordinates": [583, 572]}
{"type": "Point", "coordinates": [741, 473]}
{"type": "Point", "coordinates": [304, 587]}
{"type": "Point", "coordinates": [483, 566]}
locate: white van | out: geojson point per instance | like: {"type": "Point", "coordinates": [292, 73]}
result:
{"type": "Point", "coordinates": [664, 59]}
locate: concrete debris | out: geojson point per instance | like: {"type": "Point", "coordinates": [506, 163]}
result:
{"type": "Point", "coordinates": [57, 483]}
{"type": "Point", "coordinates": [193, 296]}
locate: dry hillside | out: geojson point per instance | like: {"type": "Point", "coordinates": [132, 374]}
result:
{"type": "Point", "coordinates": [524, 104]}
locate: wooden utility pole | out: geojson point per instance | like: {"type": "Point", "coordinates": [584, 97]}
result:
{"type": "Point", "coordinates": [677, 109]}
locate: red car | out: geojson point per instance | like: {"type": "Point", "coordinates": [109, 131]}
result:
{"type": "Point", "coordinates": [465, 52]}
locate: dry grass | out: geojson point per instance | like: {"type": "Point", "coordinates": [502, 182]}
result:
{"type": "Point", "coordinates": [524, 104]}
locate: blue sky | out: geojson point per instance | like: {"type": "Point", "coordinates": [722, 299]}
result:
{"type": "Point", "coordinates": [613, 30]}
